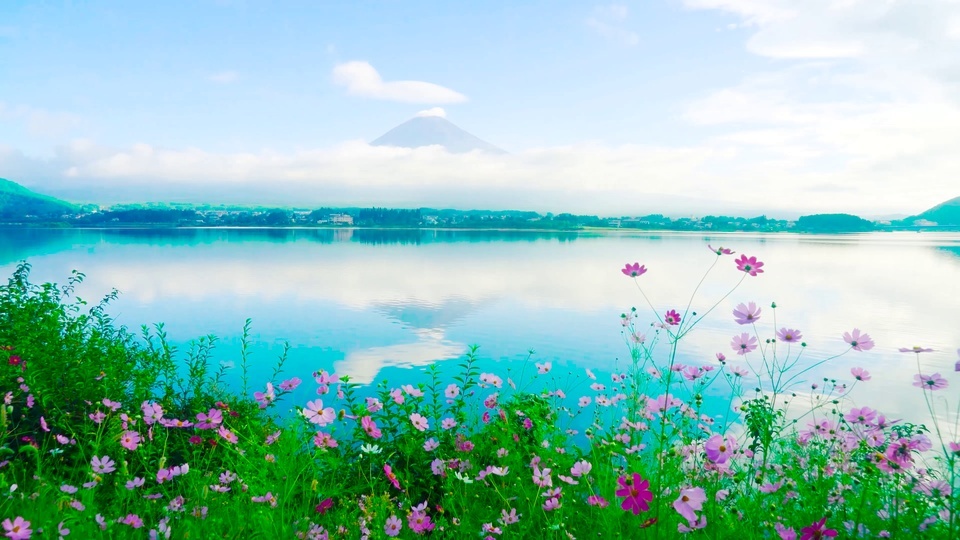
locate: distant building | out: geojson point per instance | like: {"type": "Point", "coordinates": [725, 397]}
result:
{"type": "Point", "coordinates": [341, 219]}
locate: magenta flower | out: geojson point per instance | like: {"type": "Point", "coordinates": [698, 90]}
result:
{"type": "Point", "coordinates": [634, 270]}
{"type": "Point", "coordinates": [316, 414]}
{"type": "Point", "coordinates": [103, 465]}
{"type": "Point", "coordinates": [749, 265]}
{"type": "Point", "coordinates": [18, 529]}
{"type": "Point", "coordinates": [930, 382]}
{"type": "Point", "coordinates": [392, 526]}
{"type": "Point", "coordinates": [130, 440]}
{"type": "Point", "coordinates": [860, 374]}
{"type": "Point", "coordinates": [817, 531]}
{"type": "Point", "coordinates": [689, 502]}
{"type": "Point", "coordinates": [671, 318]}
{"type": "Point", "coordinates": [744, 343]}
{"type": "Point", "coordinates": [370, 427]}
{"type": "Point", "coordinates": [211, 420]}
{"type": "Point", "coordinates": [858, 341]}
{"type": "Point", "coordinates": [915, 349]}
{"type": "Point", "coordinates": [388, 471]}
{"type": "Point", "coordinates": [636, 493]}
{"type": "Point", "coordinates": [721, 250]}
{"type": "Point", "coordinates": [133, 520]}
{"type": "Point", "coordinates": [789, 335]}
{"type": "Point", "coordinates": [720, 448]}
{"type": "Point", "coordinates": [746, 314]}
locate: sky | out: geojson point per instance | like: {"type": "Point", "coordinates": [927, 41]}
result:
{"type": "Point", "coordinates": [682, 107]}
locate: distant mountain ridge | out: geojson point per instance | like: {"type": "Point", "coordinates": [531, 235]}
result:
{"type": "Point", "coordinates": [945, 213]}
{"type": "Point", "coordinates": [18, 202]}
{"type": "Point", "coordinates": [434, 130]}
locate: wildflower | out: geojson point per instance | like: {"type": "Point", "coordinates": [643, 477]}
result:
{"type": "Point", "coordinates": [62, 531]}
{"type": "Point", "coordinates": [211, 420]}
{"type": "Point", "coordinates": [324, 440]}
{"type": "Point", "coordinates": [412, 391]}
{"type": "Point", "coordinates": [152, 412]}
{"type": "Point", "coordinates": [750, 265]}
{"type": "Point", "coordinates": [265, 398]}
{"type": "Point", "coordinates": [68, 489]}
{"type": "Point", "coordinates": [634, 270]}
{"type": "Point", "coordinates": [135, 483]}
{"type": "Point", "coordinates": [290, 385]}
{"type": "Point", "coordinates": [373, 405]}
{"type": "Point", "coordinates": [509, 518]}
{"type": "Point", "coordinates": [690, 501]}
{"type": "Point", "coordinates": [103, 465]}
{"type": "Point", "coordinates": [596, 500]}
{"type": "Point", "coordinates": [112, 405]}
{"type": "Point", "coordinates": [745, 314]}
{"type": "Point", "coordinates": [720, 448]}
{"type": "Point", "coordinates": [227, 435]}
{"type": "Point", "coordinates": [370, 427]}
{"type": "Point", "coordinates": [388, 471]}
{"type": "Point", "coordinates": [789, 335]}
{"type": "Point", "coordinates": [858, 341]}
{"type": "Point", "coordinates": [397, 396]}
{"type": "Point", "coordinates": [132, 520]}
{"type": "Point", "coordinates": [18, 529]}
{"type": "Point", "coordinates": [541, 477]}
{"type": "Point", "coordinates": [97, 417]}
{"type": "Point", "coordinates": [544, 368]}
{"type": "Point", "coordinates": [817, 531]}
{"type": "Point", "coordinates": [743, 344]}
{"type": "Point", "coordinates": [636, 493]}
{"type": "Point", "coordinates": [915, 349]}
{"type": "Point", "coordinates": [370, 448]}
{"type": "Point", "coordinates": [930, 382]}
{"type": "Point", "coordinates": [130, 440]}
{"type": "Point", "coordinates": [448, 423]}
{"type": "Point", "coordinates": [452, 391]}
{"type": "Point", "coordinates": [785, 533]}
{"type": "Point", "coordinates": [272, 438]}
{"type": "Point", "coordinates": [419, 422]}
{"type": "Point", "coordinates": [316, 414]}
{"type": "Point", "coordinates": [671, 318]}
{"type": "Point", "coordinates": [430, 445]}
{"type": "Point", "coordinates": [552, 504]}
{"type": "Point", "coordinates": [581, 468]}
{"type": "Point", "coordinates": [860, 374]}
{"type": "Point", "coordinates": [721, 250]}
{"type": "Point", "coordinates": [392, 526]}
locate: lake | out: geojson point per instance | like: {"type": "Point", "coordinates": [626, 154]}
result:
{"type": "Point", "coordinates": [377, 304]}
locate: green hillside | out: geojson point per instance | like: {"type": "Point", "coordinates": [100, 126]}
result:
{"type": "Point", "coordinates": [18, 202]}
{"type": "Point", "coordinates": [946, 213]}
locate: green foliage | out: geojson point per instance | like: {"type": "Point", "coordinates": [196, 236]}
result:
{"type": "Point", "coordinates": [18, 202]}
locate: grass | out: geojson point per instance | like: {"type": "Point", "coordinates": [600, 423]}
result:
{"type": "Point", "coordinates": [108, 433]}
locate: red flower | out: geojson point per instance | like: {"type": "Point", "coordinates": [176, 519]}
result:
{"type": "Point", "coordinates": [14, 360]}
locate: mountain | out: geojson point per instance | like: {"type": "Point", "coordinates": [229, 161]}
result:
{"type": "Point", "coordinates": [434, 130]}
{"type": "Point", "coordinates": [944, 214]}
{"type": "Point", "coordinates": [17, 202]}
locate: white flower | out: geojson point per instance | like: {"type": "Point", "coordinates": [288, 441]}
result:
{"type": "Point", "coordinates": [370, 449]}
{"type": "Point", "coordinates": [465, 479]}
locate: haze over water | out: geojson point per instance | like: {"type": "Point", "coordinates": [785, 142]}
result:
{"type": "Point", "coordinates": [377, 303]}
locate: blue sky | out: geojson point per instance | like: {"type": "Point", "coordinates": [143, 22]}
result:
{"type": "Point", "coordinates": [685, 106]}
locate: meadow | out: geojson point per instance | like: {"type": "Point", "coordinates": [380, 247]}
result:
{"type": "Point", "coordinates": [113, 433]}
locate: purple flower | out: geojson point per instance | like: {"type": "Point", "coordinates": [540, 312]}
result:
{"type": "Point", "coordinates": [744, 343]}
{"type": "Point", "coordinates": [789, 335]}
{"type": "Point", "coordinates": [103, 465]}
{"type": "Point", "coordinates": [721, 250]}
{"type": "Point", "coordinates": [211, 420]}
{"type": "Point", "coordinates": [915, 349]}
{"type": "Point", "coordinates": [634, 270]}
{"type": "Point", "coordinates": [671, 318]}
{"type": "Point", "coordinates": [749, 265]}
{"type": "Point", "coordinates": [290, 384]}
{"type": "Point", "coordinates": [746, 314]}
{"type": "Point", "coordinates": [858, 341]}
{"type": "Point", "coordinates": [392, 526]}
{"type": "Point", "coordinates": [930, 382]}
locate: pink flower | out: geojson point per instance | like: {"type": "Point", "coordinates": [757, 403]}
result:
{"type": "Point", "coordinates": [744, 343]}
{"type": "Point", "coordinates": [227, 435]}
{"type": "Point", "coordinates": [860, 374]}
{"type": "Point", "coordinates": [392, 526]}
{"type": "Point", "coordinates": [373, 405]}
{"type": "Point", "coordinates": [431, 445]}
{"type": "Point", "coordinates": [552, 504]}
{"type": "Point", "coordinates": [112, 405]}
{"type": "Point", "coordinates": [18, 529]}
{"type": "Point", "coordinates": [915, 349]}
{"type": "Point", "coordinates": [863, 415]}
{"type": "Point", "coordinates": [316, 414]}
{"type": "Point", "coordinates": [721, 250]}
{"type": "Point", "coordinates": [720, 448]}
{"type": "Point", "coordinates": [690, 501]}
{"type": "Point", "coordinates": [132, 520]}
{"type": "Point", "coordinates": [789, 335]}
{"type": "Point", "coordinates": [671, 318]}
{"type": "Point", "coordinates": [634, 270]}
{"type": "Point", "coordinates": [397, 396]}
{"type": "Point", "coordinates": [272, 438]}
{"type": "Point", "coordinates": [509, 518]}
{"type": "Point", "coordinates": [448, 423]}
{"type": "Point", "coordinates": [817, 531]}
{"type": "Point", "coordinates": [749, 265]}
{"type": "Point", "coordinates": [541, 477]}
{"type": "Point", "coordinates": [452, 391]}
{"type": "Point", "coordinates": [930, 382]}
{"type": "Point", "coordinates": [581, 468]}
{"type": "Point", "coordinates": [135, 483]}
{"type": "Point", "coordinates": [43, 424]}
{"type": "Point", "coordinates": [265, 398]}
{"type": "Point", "coordinates": [103, 465]}
{"type": "Point", "coordinates": [544, 368]}
{"type": "Point", "coordinates": [324, 440]}
{"type": "Point", "coordinates": [130, 440]}
{"type": "Point", "coordinates": [636, 493]}
{"type": "Point", "coordinates": [745, 314]}
{"type": "Point", "coordinates": [596, 500]}
{"type": "Point", "coordinates": [388, 471]}
{"type": "Point", "coordinates": [211, 420]}
{"type": "Point", "coordinates": [784, 532]}
{"type": "Point", "coordinates": [290, 385]}
{"type": "Point", "coordinates": [370, 427]}
{"type": "Point", "coordinates": [152, 412]}
{"type": "Point", "coordinates": [419, 422]}
{"type": "Point", "coordinates": [858, 341]}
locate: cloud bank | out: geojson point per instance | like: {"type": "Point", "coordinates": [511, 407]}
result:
{"type": "Point", "coordinates": [361, 79]}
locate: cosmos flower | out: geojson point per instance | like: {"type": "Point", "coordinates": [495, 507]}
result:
{"type": "Point", "coordinates": [634, 270]}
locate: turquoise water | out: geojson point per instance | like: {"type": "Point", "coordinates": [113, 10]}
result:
{"type": "Point", "coordinates": [383, 304]}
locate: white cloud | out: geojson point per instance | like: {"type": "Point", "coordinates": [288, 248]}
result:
{"type": "Point", "coordinates": [435, 111]}
{"type": "Point", "coordinates": [608, 21]}
{"type": "Point", "coordinates": [361, 79]}
{"type": "Point", "coordinates": [40, 122]}
{"type": "Point", "coordinates": [224, 77]}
